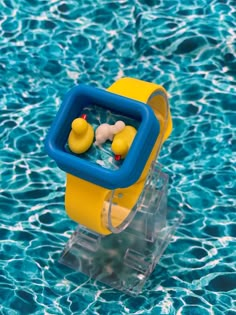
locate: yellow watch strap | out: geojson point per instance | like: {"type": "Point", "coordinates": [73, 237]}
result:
{"type": "Point", "coordinates": [84, 202]}
{"type": "Point", "coordinates": [87, 203]}
{"type": "Point", "coordinates": [150, 93]}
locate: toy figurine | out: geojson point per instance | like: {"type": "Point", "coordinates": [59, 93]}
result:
{"type": "Point", "coordinates": [81, 135]}
{"type": "Point", "coordinates": [122, 142]}
{"type": "Point", "coordinates": [106, 132]}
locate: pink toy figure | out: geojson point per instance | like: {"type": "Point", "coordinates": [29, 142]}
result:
{"type": "Point", "coordinates": [106, 132]}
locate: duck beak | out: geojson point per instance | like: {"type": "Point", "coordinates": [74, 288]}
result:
{"type": "Point", "coordinates": [117, 157]}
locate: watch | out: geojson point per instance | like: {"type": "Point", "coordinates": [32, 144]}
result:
{"type": "Point", "coordinates": [105, 181]}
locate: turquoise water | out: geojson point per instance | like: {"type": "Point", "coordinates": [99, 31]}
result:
{"type": "Point", "coordinates": [187, 46]}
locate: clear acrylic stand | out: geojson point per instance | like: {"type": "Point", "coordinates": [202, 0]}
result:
{"type": "Point", "coordinates": [125, 261]}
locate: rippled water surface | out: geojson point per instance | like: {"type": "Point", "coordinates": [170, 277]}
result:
{"type": "Point", "coordinates": [46, 47]}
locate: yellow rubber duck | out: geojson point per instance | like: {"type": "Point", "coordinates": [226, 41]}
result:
{"type": "Point", "coordinates": [122, 142]}
{"type": "Point", "coordinates": [81, 135]}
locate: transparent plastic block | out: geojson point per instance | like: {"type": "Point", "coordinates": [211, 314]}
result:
{"type": "Point", "coordinates": [125, 260]}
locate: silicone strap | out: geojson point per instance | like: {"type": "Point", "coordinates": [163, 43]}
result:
{"type": "Point", "coordinates": [87, 203]}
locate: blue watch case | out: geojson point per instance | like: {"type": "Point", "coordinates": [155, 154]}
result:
{"type": "Point", "coordinates": [82, 96]}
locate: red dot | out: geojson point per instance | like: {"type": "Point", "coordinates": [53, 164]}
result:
{"type": "Point", "coordinates": [117, 157]}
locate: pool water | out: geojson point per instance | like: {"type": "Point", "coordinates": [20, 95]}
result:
{"type": "Point", "coordinates": [189, 47]}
